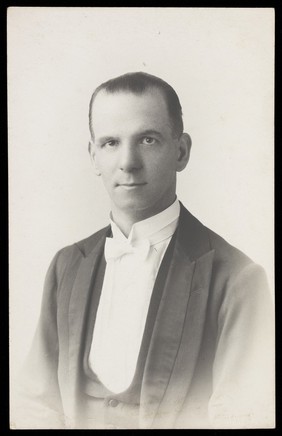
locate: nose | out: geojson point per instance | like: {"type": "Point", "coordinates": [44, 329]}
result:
{"type": "Point", "coordinates": [130, 159]}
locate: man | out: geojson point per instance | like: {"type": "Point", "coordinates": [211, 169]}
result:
{"type": "Point", "coordinates": [154, 321]}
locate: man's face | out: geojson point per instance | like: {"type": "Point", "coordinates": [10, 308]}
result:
{"type": "Point", "coordinates": [135, 151]}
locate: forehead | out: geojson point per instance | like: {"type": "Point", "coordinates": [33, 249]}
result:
{"type": "Point", "coordinates": [123, 108]}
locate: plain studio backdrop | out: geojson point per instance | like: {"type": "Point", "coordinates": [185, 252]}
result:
{"type": "Point", "coordinates": [219, 61]}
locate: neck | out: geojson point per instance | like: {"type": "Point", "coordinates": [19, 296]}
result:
{"type": "Point", "coordinates": [125, 220]}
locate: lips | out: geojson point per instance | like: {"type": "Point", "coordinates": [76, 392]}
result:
{"type": "Point", "coordinates": [131, 185]}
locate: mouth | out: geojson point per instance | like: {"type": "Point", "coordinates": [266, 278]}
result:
{"type": "Point", "coordinates": [131, 185]}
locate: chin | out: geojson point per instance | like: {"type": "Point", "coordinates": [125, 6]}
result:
{"type": "Point", "coordinates": [134, 206]}
{"type": "Point", "coordinates": [142, 206]}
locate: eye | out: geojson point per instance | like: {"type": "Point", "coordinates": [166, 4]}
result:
{"type": "Point", "coordinates": [110, 144]}
{"type": "Point", "coordinates": [148, 140]}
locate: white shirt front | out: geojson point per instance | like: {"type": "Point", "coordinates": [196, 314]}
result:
{"type": "Point", "coordinates": [125, 298]}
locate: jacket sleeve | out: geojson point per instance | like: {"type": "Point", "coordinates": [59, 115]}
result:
{"type": "Point", "coordinates": [37, 400]}
{"type": "Point", "coordinates": [243, 371]}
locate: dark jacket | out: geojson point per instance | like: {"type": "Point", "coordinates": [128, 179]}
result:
{"type": "Point", "coordinates": [210, 355]}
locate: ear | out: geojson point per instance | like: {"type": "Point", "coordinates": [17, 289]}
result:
{"type": "Point", "coordinates": [184, 147]}
{"type": "Point", "coordinates": [91, 149]}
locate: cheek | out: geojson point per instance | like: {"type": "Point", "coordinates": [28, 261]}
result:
{"type": "Point", "coordinates": [106, 177]}
{"type": "Point", "coordinates": [163, 168]}
{"type": "Point", "coordinates": [105, 165]}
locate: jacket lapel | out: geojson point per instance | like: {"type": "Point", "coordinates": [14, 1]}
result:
{"type": "Point", "coordinates": [178, 328]}
{"type": "Point", "coordinates": [82, 286]}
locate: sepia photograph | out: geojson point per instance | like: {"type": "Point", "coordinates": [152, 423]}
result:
{"type": "Point", "coordinates": [141, 217]}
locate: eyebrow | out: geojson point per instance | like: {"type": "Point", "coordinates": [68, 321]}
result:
{"type": "Point", "coordinates": [106, 138]}
{"type": "Point", "coordinates": [149, 132]}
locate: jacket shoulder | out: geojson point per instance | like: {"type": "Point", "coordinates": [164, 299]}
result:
{"type": "Point", "coordinates": [234, 270]}
{"type": "Point", "coordinates": [200, 239]}
{"type": "Point", "coordinates": [87, 244]}
{"type": "Point", "coordinates": [82, 248]}
{"type": "Point", "coordinates": [227, 253]}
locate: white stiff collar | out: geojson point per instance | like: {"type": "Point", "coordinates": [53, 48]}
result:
{"type": "Point", "coordinates": [155, 228]}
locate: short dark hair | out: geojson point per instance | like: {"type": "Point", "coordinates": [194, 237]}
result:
{"type": "Point", "coordinates": [139, 83]}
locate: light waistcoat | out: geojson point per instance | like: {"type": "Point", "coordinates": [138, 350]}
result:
{"type": "Point", "coordinates": [125, 298]}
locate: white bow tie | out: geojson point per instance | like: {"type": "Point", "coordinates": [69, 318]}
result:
{"type": "Point", "coordinates": [115, 249]}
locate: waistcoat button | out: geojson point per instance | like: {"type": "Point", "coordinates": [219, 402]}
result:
{"type": "Point", "coordinates": [113, 402]}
